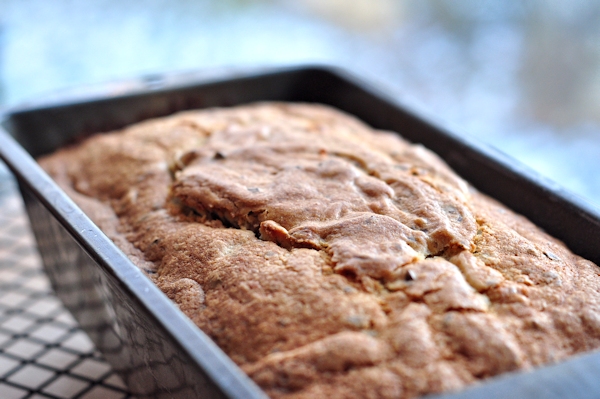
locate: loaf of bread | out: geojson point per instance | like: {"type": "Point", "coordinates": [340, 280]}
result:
{"type": "Point", "coordinates": [329, 260]}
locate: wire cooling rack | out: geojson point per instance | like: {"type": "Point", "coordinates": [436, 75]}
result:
{"type": "Point", "coordinates": [43, 353]}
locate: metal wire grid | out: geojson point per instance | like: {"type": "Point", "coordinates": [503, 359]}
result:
{"type": "Point", "coordinates": [43, 353]}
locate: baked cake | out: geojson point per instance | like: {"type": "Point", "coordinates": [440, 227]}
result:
{"type": "Point", "coordinates": [330, 260]}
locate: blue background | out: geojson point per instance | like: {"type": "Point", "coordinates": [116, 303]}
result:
{"type": "Point", "coordinates": [521, 76]}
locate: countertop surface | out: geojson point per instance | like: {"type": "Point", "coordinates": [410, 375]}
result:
{"type": "Point", "coordinates": [43, 353]}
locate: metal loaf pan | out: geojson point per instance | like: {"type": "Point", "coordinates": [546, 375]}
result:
{"type": "Point", "coordinates": [155, 348]}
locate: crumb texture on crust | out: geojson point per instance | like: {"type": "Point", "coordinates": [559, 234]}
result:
{"type": "Point", "coordinates": [330, 260]}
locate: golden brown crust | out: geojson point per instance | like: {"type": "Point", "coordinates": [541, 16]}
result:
{"type": "Point", "coordinates": [331, 260]}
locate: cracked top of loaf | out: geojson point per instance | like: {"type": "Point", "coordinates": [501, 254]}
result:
{"type": "Point", "coordinates": [328, 259]}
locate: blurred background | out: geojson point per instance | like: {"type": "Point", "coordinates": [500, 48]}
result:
{"type": "Point", "coordinates": [521, 76]}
